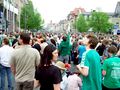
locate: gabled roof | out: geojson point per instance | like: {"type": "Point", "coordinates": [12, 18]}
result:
{"type": "Point", "coordinates": [76, 11]}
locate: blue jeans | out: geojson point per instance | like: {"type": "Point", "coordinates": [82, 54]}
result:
{"type": "Point", "coordinates": [64, 59]}
{"type": "Point", "coordinates": [3, 72]}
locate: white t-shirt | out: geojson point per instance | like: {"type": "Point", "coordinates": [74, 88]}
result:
{"type": "Point", "coordinates": [5, 55]}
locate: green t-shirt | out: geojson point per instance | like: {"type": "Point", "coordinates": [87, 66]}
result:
{"type": "Point", "coordinates": [112, 68]}
{"type": "Point", "coordinates": [65, 47]}
{"type": "Point", "coordinates": [91, 60]}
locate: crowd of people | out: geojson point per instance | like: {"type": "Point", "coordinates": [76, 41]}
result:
{"type": "Point", "coordinates": [60, 61]}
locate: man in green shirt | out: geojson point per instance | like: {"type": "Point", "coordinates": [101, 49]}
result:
{"type": "Point", "coordinates": [111, 71]}
{"type": "Point", "coordinates": [65, 48]}
{"type": "Point", "coordinates": [90, 67]}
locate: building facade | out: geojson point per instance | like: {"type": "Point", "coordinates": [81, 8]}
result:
{"type": "Point", "coordinates": [10, 14]}
{"type": "Point", "coordinates": [72, 17]}
{"type": "Point", "coordinates": [114, 17]}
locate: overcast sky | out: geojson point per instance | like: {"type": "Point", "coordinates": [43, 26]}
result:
{"type": "Point", "coordinates": [56, 10]}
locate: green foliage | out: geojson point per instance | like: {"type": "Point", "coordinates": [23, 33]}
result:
{"type": "Point", "coordinates": [30, 18]}
{"type": "Point", "coordinates": [81, 24]}
{"type": "Point", "coordinates": [99, 21]}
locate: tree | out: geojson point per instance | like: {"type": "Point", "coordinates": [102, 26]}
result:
{"type": "Point", "coordinates": [38, 22]}
{"type": "Point", "coordinates": [99, 21]}
{"type": "Point", "coordinates": [80, 24]}
{"type": "Point", "coordinates": [30, 18]}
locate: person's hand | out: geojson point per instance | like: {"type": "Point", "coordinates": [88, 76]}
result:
{"type": "Point", "coordinates": [78, 66]}
{"type": "Point", "coordinates": [77, 56]}
{"type": "Point", "coordinates": [36, 83]}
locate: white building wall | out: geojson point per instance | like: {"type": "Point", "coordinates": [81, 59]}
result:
{"type": "Point", "coordinates": [10, 7]}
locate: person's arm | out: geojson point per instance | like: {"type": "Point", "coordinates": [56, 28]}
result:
{"type": "Point", "coordinates": [68, 38]}
{"type": "Point", "coordinates": [83, 67]}
{"type": "Point", "coordinates": [13, 69]}
{"type": "Point", "coordinates": [56, 86]}
{"type": "Point", "coordinates": [36, 83]}
{"type": "Point", "coordinates": [83, 70]}
{"type": "Point", "coordinates": [12, 64]}
{"type": "Point", "coordinates": [118, 53]}
{"type": "Point", "coordinates": [59, 49]}
{"type": "Point", "coordinates": [36, 79]}
{"type": "Point", "coordinates": [38, 58]}
{"type": "Point", "coordinates": [103, 72]}
{"type": "Point", "coordinates": [57, 78]}
{"type": "Point", "coordinates": [104, 68]}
